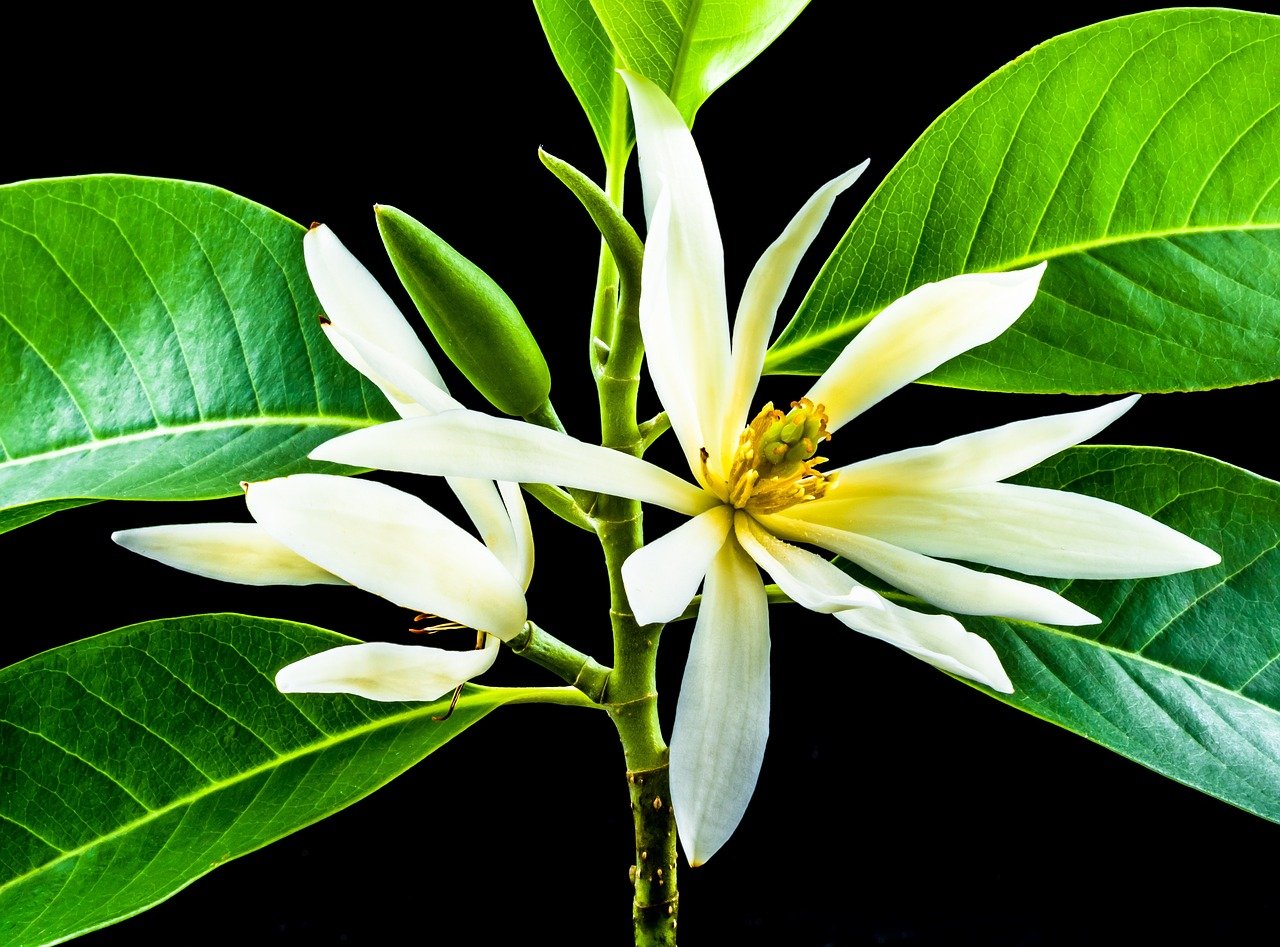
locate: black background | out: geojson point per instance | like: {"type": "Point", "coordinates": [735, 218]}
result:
{"type": "Point", "coordinates": [895, 805]}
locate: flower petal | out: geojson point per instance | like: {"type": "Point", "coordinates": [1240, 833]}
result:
{"type": "Point", "coordinates": [685, 326]}
{"type": "Point", "coordinates": [392, 544]}
{"type": "Point", "coordinates": [229, 552]}
{"type": "Point", "coordinates": [915, 334]}
{"type": "Point", "coordinates": [662, 577]}
{"type": "Point", "coordinates": [470, 444]}
{"type": "Point", "coordinates": [670, 359]}
{"type": "Point", "coordinates": [807, 579]}
{"type": "Point", "coordinates": [979, 458]}
{"type": "Point", "coordinates": [944, 584]}
{"type": "Point", "coordinates": [382, 671]}
{"type": "Point", "coordinates": [762, 296]}
{"type": "Point", "coordinates": [411, 393]}
{"type": "Point", "coordinates": [722, 716]}
{"type": "Point", "coordinates": [939, 640]}
{"type": "Point", "coordinates": [1028, 529]}
{"type": "Point", "coordinates": [354, 300]}
{"type": "Point", "coordinates": [521, 559]}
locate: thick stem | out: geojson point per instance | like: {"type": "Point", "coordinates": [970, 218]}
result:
{"type": "Point", "coordinates": [545, 650]}
{"type": "Point", "coordinates": [631, 694]}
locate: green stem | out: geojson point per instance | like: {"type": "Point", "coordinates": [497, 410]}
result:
{"type": "Point", "coordinates": [631, 699]}
{"type": "Point", "coordinates": [546, 650]}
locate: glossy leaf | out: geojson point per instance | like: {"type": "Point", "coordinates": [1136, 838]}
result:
{"type": "Point", "coordinates": [139, 760]}
{"type": "Point", "coordinates": [158, 340]}
{"type": "Point", "coordinates": [688, 47]}
{"type": "Point", "coordinates": [692, 47]}
{"type": "Point", "coordinates": [1139, 157]}
{"type": "Point", "coordinates": [1183, 673]}
{"type": "Point", "coordinates": [588, 60]}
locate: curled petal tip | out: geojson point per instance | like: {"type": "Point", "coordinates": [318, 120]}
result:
{"type": "Point", "coordinates": [315, 225]}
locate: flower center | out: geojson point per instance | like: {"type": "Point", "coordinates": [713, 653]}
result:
{"type": "Point", "coordinates": [774, 466]}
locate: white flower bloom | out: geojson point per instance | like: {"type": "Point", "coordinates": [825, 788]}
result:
{"type": "Point", "coordinates": [318, 528]}
{"type": "Point", "coordinates": [761, 489]}
{"type": "Point", "coordinates": [325, 529]}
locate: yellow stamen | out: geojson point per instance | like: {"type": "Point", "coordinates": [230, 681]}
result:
{"type": "Point", "coordinates": [774, 466]}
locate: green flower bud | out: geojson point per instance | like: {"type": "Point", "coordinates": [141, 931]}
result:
{"type": "Point", "coordinates": [475, 322]}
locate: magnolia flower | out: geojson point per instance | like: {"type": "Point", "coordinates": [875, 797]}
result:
{"type": "Point", "coordinates": [325, 529]}
{"type": "Point", "coordinates": [760, 487]}
{"type": "Point", "coordinates": [318, 528]}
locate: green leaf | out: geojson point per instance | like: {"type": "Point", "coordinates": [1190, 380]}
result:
{"type": "Point", "coordinates": [139, 760]}
{"type": "Point", "coordinates": [588, 60]}
{"type": "Point", "coordinates": [692, 47]}
{"type": "Point", "coordinates": [688, 47]}
{"type": "Point", "coordinates": [17, 516]}
{"type": "Point", "coordinates": [1183, 673]}
{"type": "Point", "coordinates": [1139, 156]}
{"type": "Point", "coordinates": [158, 340]}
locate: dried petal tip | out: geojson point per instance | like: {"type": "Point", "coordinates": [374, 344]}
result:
{"type": "Point", "coordinates": [315, 225]}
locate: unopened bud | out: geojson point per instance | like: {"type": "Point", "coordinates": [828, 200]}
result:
{"type": "Point", "coordinates": [474, 321]}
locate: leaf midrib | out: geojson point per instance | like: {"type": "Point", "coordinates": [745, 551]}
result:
{"type": "Point", "coordinates": [97, 443]}
{"type": "Point", "coordinates": [330, 740]}
{"type": "Point", "coordinates": [845, 326]}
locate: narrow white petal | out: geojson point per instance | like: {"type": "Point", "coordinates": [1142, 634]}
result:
{"type": "Point", "coordinates": [1027, 529]}
{"type": "Point", "coordinates": [392, 544]}
{"type": "Point", "coordinates": [692, 258]}
{"type": "Point", "coordinates": [410, 392]}
{"type": "Point", "coordinates": [662, 577]}
{"type": "Point", "coordinates": [765, 289]}
{"type": "Point", "coordinates": [915, 334]}
{"type": "Point", "coordinates": [471, 444]}
{"type": "Point", "coordinates": [944, 584]}
{"type": "Point", "coordinates": [354, 300]}
{"type": "Point", "coordinates": [807, 579]}
{"type": "Point", "coordinates": [521, 564]}
{"type": "Point", "coordinates": [670, 359]}
{"type": "Point", "coordinates": [486, 510]}
{"type": "Point", "coordinates": [979, 458]}
{"type": "Point", "coordinates": [722, 715]}
{"type": "Point", "coordinates": [382, 671]}
{"type": "Point", "coordinates": [230, 552]}
{"type": "Point", "coordinates": [939, 640]}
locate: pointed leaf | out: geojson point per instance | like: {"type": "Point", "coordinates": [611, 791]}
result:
{"type": "Point", "coordinates": [158, 340]}
{"type": "Point", "coordinates": [692, 47]}
{"type": "Point", "coordinates": [1137, 156]}
{"type": "Point", "coordinates": [139, 760]}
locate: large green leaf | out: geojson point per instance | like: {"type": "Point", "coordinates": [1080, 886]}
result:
{"type": "Point", "coordinates": [158, 340]}
{"type": "Point", "coordinates": [139, 760]}
{"type": "Point", "coordinates": [1182, 675]}
{"type": "Point", "coordinates": [1141, 157]}
{"type": "Point", "coordinates": [688, 47]}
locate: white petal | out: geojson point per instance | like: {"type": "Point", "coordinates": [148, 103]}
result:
{"type": "Point", "coordinates": [915, 334]}
{"type": "Point", "coordinates": [471, 444]}
{"type": "Point", "coordinates": [353, 300]}
{"type": "Point", "coordinates": [671, 360]}
{"type": "Point", "coordinates": [230, 552]}
{"type": "Point", "coordinates": [1028, 529]}
{"type": "Point", "coordinates": [939, 640]}
{"type": "Point", "coordinates": [382, 671]}
{"type": "Point", "coordinates": [392, 544]}
{"type": "Point", "coordinates": [662, 577]}
{"type": "Point", "coordinates": [411, 393]}
{"type": "Point", "coordinates": [765, 289]}
{"type": "Point", "coordinates": [521, 560]}
{"type": "Point", "coordinates": [807, 579]}
{"type": "Point", "coordinates": [722, 715]}
{"type": "Point", "coordinates": [693, 309]}
{"type": "Point", "coordinates": [944, 584]}
{"type": "Point", "coordinates": [979, 458]}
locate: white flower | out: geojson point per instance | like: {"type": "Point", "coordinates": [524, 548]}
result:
{"type": "Point", "coordinates": [761, 490]}
{"type": "Point", "coordinates": [326, 529]}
